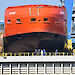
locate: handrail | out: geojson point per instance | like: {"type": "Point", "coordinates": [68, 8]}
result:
{"type": "Point", "coordinates": [37, 54]}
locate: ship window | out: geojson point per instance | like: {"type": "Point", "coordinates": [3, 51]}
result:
{"type": "Point", "coordinates": [45, 19]}
{"type": "Point", "coordinates": [18, 20]}
{"type": "Point", "coordinates": [33, 19]}
{"type": "Point", "coordinates": [8, 21]}
{"type": "Point", "coordinates": [39, 20]}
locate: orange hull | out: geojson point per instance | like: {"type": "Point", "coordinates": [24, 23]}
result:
{"type": "Point", "coordinates": [31, 27]}
{"type": "Point", "coordinates": [50, 19]}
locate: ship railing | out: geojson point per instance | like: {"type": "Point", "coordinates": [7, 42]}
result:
{"type": "Point", "coordinates": [37, 54]}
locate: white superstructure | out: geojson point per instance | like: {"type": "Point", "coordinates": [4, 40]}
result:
{"type": "Point", "coordinates": [37, 65]}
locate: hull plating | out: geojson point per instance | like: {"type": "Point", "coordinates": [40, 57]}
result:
{"type": "Point", "coordinates": [32, 27]}
{"type": "Point", "coordinates": [30, 42]}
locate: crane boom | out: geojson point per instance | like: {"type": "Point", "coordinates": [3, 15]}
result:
{"type": "Point", "coordinates": [69, 5]}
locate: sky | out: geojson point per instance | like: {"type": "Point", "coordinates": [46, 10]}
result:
{"type": "Point", "coordinates": [8, 3]}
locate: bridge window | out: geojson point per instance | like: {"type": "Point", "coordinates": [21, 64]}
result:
{"type": "Point", "coordinates": [48, 64]}
{"type": "Point", "coordinates": [57, 65]}
{"type": "Point", "coordinates": [33, 19]}
{"type": "Point", "coordinates": [73, 64]}
{"type": "Point", "coordinates": [66, 64]}
{"type": "Point", "coordinates": [6, 65]}
{"type": "Point", "coordinates": [23, 65]}
{"type": "Point", "coordinates": [45, 19]}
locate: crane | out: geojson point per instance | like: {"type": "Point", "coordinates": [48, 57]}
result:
{"type": "Point", "coordinates": [69, 5]}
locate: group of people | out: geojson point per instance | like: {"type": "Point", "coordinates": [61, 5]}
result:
{"type": "Point", "coordinates": [40, 52]}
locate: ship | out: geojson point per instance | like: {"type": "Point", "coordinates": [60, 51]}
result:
{"type": "Point", "coordinates": [29, 63]}
{"type": "Point", "coordinates": [31, 27]}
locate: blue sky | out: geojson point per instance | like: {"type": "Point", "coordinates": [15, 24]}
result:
{"type": "Point", "coordinates": [7, 3]}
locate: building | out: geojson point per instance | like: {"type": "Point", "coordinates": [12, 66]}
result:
{"type": "Point", "coordinates": [1, 25]}
{"type": "Point", "coordinates": [73, 27]}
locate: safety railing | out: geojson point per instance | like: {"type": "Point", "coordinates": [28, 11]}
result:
{"type": "Point", "coordinates": [37, 54]}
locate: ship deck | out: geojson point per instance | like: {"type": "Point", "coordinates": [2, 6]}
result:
{"type": "Point", "coordinates": [37, 59]}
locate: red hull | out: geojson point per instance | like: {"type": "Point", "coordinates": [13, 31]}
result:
{"type": "Point", "coordinates": [19, 20]}
{"type": "Point", "coordinates": [35, 26]}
